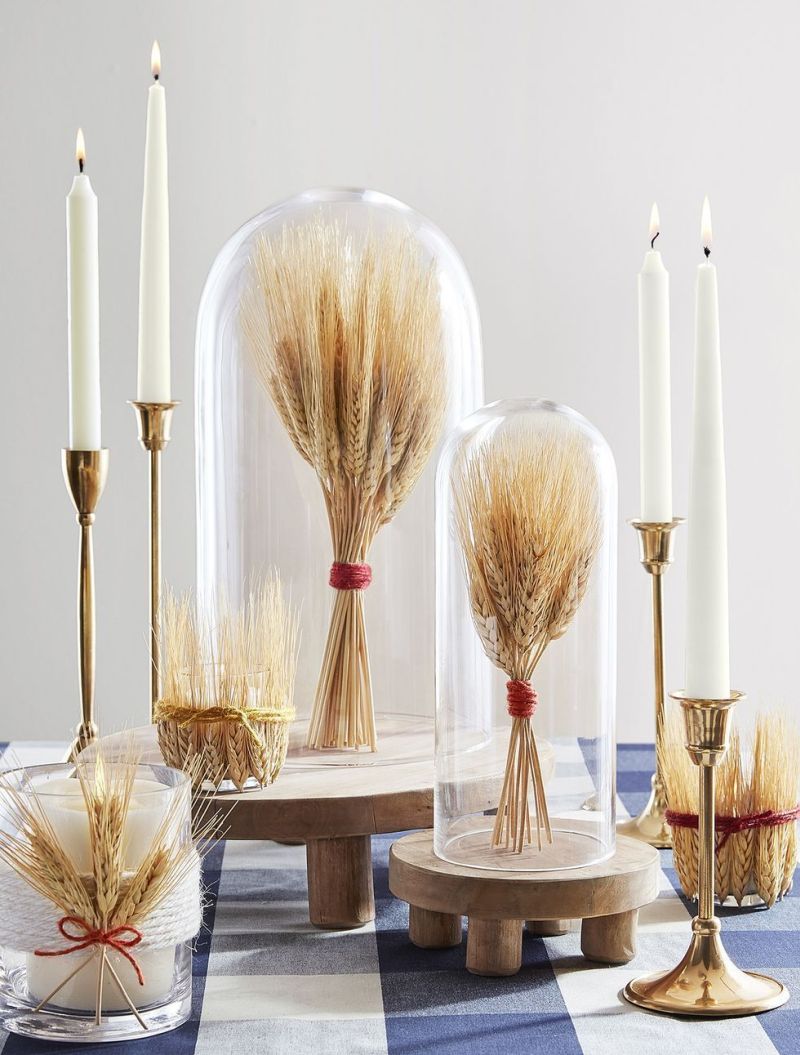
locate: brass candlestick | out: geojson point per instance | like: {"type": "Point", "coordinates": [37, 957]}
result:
{"type": "Point", "coordinates": [706, 982]}
{"type": "Point", "coordinates": [154, 420]}
{"type": "Point", "coordinates": [85, 475]}
{"type": "Point", "coordinates": [655, 554]}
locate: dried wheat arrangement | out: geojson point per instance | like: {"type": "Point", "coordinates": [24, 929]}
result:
{"type": "Point", "coordinates": [346, 337]}
{"type": "Point", "coordinates": [527, 517]}
{"type": "Point", "coordinates": [155, 905]}
{"type": "Point", "coordinates": [228, 688]}
{"type": "Point", "coordinates": [756, 810]}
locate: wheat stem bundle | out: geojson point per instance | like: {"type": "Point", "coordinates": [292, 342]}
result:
{"type": "Point", "coordinates": [229, 687]}
{"type": "Point", "coordinates": [108, 901]}
{"type": "Point", "coordinates": [757, 788]}
{"type": "Point", "coordinates": [527, 517]}
{"type": "Point", "coordinates": [346, 337]}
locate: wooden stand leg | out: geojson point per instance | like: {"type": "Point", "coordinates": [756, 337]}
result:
{"type": "Point", "coordinates": [547, 928]}
{"type": "Point", "coordinates": [494, 946]}
{"type": "Point", "coordinates": [340, 894]}
{"type": "Point", "coordinates": [433, 930]}
{"type": "Point", "coordinates": [610, 939]}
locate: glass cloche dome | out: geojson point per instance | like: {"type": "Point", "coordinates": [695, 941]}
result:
{"type": "Point", "coordinates": [337, 342]}
{"type": "Point", "coordinates": [526, 529]}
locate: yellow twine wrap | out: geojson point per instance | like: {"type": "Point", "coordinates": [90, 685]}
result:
{"type": "Point", "coordinates": [184, 716]}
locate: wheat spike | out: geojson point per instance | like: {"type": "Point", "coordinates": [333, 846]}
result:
{"type": "Point", "coordinates": [528, 521]}
{"type": "Point", "coordinates": [346, 337]}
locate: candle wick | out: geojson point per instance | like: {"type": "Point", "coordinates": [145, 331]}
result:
{"type": "Point", "coordinates": [707, 251]}
{"type": "Point", "coordinates": [155, 76]}
{"type": "Point", "coordinates": [653, 239]}
{"type": "Point", "coordinates": [80, 164]}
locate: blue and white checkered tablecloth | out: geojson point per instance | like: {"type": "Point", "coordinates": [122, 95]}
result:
{"type": "Point", "coordinates": [267, 982]}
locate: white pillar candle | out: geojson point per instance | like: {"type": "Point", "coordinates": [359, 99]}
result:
{"type": "Point", "coordinates": [65, 807]}
{"type": "Point", "coordinates": [154, 366]}
{"type": "Point", "coordinates": [655, 434]}
{"type": "Point", "coordinates": [707, 661]}
{"type": "Point", "coordinates": [83, 310]}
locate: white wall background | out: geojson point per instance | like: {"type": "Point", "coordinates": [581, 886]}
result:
{"type": "Point", "coordinates": [536, 134]}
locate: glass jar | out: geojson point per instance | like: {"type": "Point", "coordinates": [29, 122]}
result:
{"type": "Point", "coordinates": [49, 971]}
{"type": "Point", "coordinates": [260, 505]}
{"type": "Point", "coordinates": [526, 530]}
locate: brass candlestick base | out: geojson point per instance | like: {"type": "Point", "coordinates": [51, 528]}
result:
{"type": "Point", "coordinates": [155, 420]}
{"type": "Point", "coordinates": [655, 554]}
{"type": "Point", "coordinates": [85, 475]}
{"type": "Point", "coordinates": [706, 982]}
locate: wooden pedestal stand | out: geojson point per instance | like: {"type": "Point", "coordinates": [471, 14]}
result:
{"type": "Point", "coordinates": [606, 897]}
{"type": "Point", "coordinates": [334, 802]}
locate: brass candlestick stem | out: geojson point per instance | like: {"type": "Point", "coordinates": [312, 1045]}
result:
{"type": "Point", "coordinates": [655, 554]}
{"type": "Point", "coordinates": [706, 982]}
{"type": "Point", "coordinates": [85, 475]}
{"type": "Point", "coordinates": [155, 420]}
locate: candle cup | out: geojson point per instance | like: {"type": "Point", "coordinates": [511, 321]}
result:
{"type": "Point", "coordinates": [706, 982]}
{"type": "Point", "coordinates": [55, 997]}
{"type": "Point", "coordinates": [155, 421]}
{"type": "Point", "coordinates": [85, 474]}
{"type": "Point", "coordinates": [655, 555]}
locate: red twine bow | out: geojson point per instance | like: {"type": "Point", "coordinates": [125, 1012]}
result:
{"type": "Point", "coordinates": [522, 698]}
{"type": "Point", "coordinates": [350, 576]}
{"type": "Point", "coordinates": [728, 826]}
{"type": "Point", "coordinates": [87, 936]}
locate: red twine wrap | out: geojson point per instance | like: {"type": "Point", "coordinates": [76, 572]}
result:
{"type": "Point", "coordinates": [87, 936]}
{"type": "Point", "coordinates": [522, 698]}
{"type": "Point", "coordinates": [350, 576]}
{"type": "Point", "coordinates": [728, 826]}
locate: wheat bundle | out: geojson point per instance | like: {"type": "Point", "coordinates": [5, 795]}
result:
{"type": "Point", "coordinates": [756, 809]}
{"type": "Point", "coordinates": [346, 337]}
{"type": "Point", "coordinates": [109, 907]}
{"type": "Point", "coordinates": [228, 688]}
{"type": "Point", "coordinates": [527, 517]}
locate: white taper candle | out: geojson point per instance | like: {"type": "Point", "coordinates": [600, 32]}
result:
{"type": "Point", "coordinates": [655, 435]}
{"type": "Point", "coordinates": [707, 658]}
{"type": "Point", "coordinates": [154, 345]}
{"type": "Point", "coordinates": [83, 310]}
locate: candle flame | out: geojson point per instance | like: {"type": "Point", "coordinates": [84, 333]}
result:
{"type": "Point", "coordinates": [655, 225]}
{"type": "Point", "coordinates": [80, 149]}
{"type": "Point", "coordinates": [705, 226]}
{"type": "Point", "coordinates": [155, 60]}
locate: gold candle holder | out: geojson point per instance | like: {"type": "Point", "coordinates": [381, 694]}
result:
{"type": "Point", "coordinates": [655, 554]}
{"type": "Point", "coordinates": [85, 475]}
{"type": "Point", "coordinates": [155, 420]}
{"type": "Point", "coordinates": [706, 982]}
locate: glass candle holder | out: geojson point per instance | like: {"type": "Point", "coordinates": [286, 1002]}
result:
{"type": "Point", "coordinates": [526, 528]}
{"type": "Point", "coordinates": [51, 983]}
{"type": "Point", "coordinates": [260, 505]}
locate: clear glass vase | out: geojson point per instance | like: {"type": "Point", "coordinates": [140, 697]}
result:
{"type": "Point", "coordinates": [260, 505]}
{"type": "Point", "coordinates": [49, 976]}
{"type": "Point", "coordinates": [526, 529]}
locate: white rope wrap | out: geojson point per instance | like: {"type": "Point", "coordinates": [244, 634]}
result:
{"type": "Point", "coordinates": [29, 921]}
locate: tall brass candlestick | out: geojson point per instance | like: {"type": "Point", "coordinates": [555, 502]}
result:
{"type": "Point", "coordinates": [706, 982]}
{"type": "Point", "coordinates": [155, 420]}
{"type": "Point", "coordinates": [85, 475]}
{"type": "Point", "coordinates": [655, 554]}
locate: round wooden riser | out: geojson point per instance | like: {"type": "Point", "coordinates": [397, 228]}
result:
{"type": "Point", "coordinates": [606, 897]}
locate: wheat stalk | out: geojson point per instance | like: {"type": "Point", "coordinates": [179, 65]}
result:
{"type": "Point", "coordinates": [229, 687]}
{"type": "Point", "coordinates": [527, 516]}
{"type": "Point", "coordinates": [346, 337]}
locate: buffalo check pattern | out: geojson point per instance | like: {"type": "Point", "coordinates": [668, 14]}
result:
{"type": "Point", "coordinates": [267, 982]}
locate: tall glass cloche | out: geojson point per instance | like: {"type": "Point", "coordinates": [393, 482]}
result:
{"type": "Point", "coordinates": [526, 528]}
{"type": "Point", "coordinates": [337, 343]}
